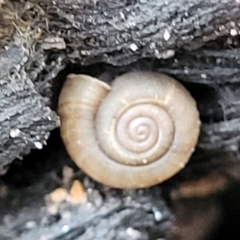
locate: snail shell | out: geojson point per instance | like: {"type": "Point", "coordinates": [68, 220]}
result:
{"type": "Point", "coordinates": [137, 133]}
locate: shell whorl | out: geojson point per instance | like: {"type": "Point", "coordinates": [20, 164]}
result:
{"type": "Point", "coordinates": [140, 134]}
{"type": "Point", "coordinates": [137, 133]}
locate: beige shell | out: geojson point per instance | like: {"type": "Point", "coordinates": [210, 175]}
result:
{"type": "Point", "coordinates": [135, 134]}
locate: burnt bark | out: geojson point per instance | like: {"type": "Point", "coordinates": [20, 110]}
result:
{"type": "Point", "coordinates": [44, 37]}
{"type": "Point", "coordinates": [120, 33]}
{"type": "Point", "coordinates": [25, 119]}
{"type": "Point", "coordinates": [196, 42]}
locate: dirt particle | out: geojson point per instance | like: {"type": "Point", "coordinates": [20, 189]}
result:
{"type": "Point", "coordinates": [58, 195]}
{"type": "Point", "coordinates": [77, 193]}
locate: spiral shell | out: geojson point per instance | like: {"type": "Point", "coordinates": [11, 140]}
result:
{"type": "Point", "coordinates": [135, 134]}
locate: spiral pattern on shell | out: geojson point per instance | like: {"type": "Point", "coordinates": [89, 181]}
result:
{"type": "Point", "coordinates": [143, 132]}
{"type": "Point", "coordinates": [139, 132]}
{"type": "Point", "coordinates": [139, 128]}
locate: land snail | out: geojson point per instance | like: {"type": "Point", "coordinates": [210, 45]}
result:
{"type": "Point", "coordinates": [136, 133]}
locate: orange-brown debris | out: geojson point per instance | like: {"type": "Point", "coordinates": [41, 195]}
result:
{"type": "Point", "coordinates": [58, 195]}
{"type": "Point", "coordinates": [77, 193]}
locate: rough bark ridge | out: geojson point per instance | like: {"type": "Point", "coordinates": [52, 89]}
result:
{"type": "Point", "coordinates": [26, 121]}
{"type": "Point", "coordinates": [122, 32]}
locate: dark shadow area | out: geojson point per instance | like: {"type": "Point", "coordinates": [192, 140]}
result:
{"type": "Point", "coordinates": [22, 202]}
{"type": "Point", "coordinates": [28, 181]}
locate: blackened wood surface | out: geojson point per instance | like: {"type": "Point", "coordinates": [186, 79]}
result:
{"type": "Point", "coordinates": [195, 41]}
{"type": "Point", "coordinates": [25, 120]}
{"type": "Point", "coordinates": [122, 32]}
{"type": "Point", "coordinates": [41, 38]}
